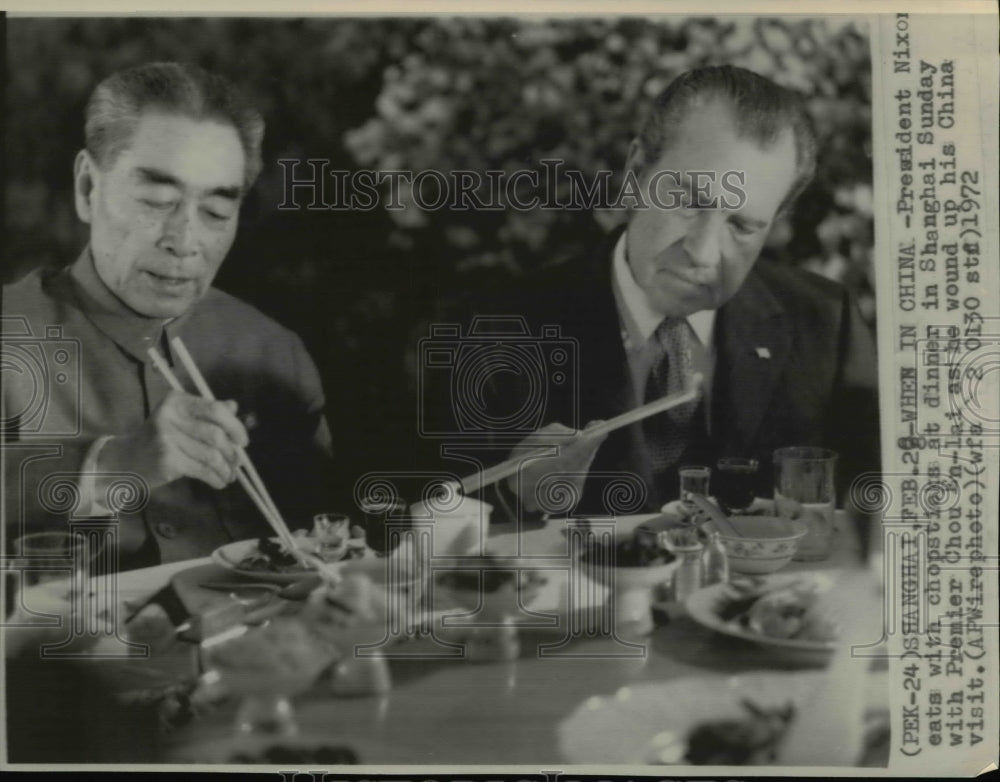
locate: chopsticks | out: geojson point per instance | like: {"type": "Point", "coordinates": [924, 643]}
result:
{"type": "Point", "coordinates": [246, 473]}
{"type": "Point", "coordinates": [498, 472]}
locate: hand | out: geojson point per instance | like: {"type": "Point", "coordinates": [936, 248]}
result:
{"type": "Point", "coordinates": [185, 437]}
{"type": "Point", "coordinates": [576, 452]}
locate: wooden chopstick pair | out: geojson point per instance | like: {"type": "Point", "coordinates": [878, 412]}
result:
{"type": "Point", "coordinates": [489, 476]}
{"type": "Point", "coordinates": [246, 473]}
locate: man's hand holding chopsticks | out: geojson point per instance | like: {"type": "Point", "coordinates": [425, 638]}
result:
{"type": "Point", "coordinates": [185, 437]}
{"type": "Point", "coordinates": [576, 454]}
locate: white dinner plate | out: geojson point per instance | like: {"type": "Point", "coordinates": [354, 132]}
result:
{"type": "Point", "coordinates": [706, 607]}
{"type": "Point", "coordinates": [648, 724]}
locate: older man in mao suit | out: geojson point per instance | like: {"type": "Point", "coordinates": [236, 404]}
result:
{"type": "Point", "coordinates": [171, 151]}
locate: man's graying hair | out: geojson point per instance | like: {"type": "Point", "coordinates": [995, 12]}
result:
{"type": "Point", "coordinates": [114, 109]}
{"type": "Point", "coordinates": [761, 111]}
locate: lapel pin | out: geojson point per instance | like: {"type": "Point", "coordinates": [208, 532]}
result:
{"type": "Point", "coordinates": [763, 353]}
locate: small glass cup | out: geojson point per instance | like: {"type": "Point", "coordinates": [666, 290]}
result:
{"type": "Point", "coordinates": [331, 533]}
{"type": "Point", "coordinates": [735, 483]}
{"type": "Point", "coordinates": [52, 556]}
{"type": "Point", "coordinates": [48, 589]}
{"type": "Point", "coordinates": [694, 479]}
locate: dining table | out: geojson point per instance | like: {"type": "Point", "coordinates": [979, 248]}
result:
{"type": "Point", "coordinates": [446, 710]}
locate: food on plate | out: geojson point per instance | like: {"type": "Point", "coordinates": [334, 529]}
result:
{"type": "Point", "coordinates": [791, 611]}
{"type": "Point", "coordinates": [272, 556]}
{"type": "Point", "coordinates": [752, 740]}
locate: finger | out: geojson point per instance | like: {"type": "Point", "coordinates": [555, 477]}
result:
{"type": "Point", "coordinates": [213, 437]}
{"type": "Point", "coordinates": [548, 435]}
{"type": "Point", "coordinates": [190, 416]}
{"type": "Point", "coordinates": [223, 415]}
{"type": "Point", "coordinates": [203, 462]}
{"type": "Point", "coordinates": [588, 431]}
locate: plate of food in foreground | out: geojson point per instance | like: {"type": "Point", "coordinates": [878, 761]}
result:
{"type": "Point", "coordinates": [734, 721]}
{"type": "Point", "coordinates": [267, 558]}
{"type": "Point", "coordinates": [782, 612]}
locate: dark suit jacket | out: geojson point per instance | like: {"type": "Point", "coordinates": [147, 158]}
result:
{"type": "Point", "coordinates": [795, 365]}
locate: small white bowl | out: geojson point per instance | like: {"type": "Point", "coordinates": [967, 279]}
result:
{"type": "Point", "coordinates": [765, 544]}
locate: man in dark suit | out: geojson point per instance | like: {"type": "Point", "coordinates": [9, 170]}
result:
{"type": "Point", "coordinates": [785, 358]}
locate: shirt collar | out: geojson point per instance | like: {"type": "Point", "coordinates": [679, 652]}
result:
{"type": "Point", "coordinates": [639, 318]}
{"type": "Point", "coordinates": [133, 333]}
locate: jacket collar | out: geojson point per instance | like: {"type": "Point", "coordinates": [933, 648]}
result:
{"type": "Point", "coordinates": [132, 332]}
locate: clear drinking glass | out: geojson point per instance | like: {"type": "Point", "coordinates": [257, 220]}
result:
{"type": "Point", "coordinates": [332, 531]}
{"type": "Point", "coordinates": [804, 490]}
{"type": "Point", "coordinates": [52, 556]}
{"type": "Point", "coordinates": [49, 591]}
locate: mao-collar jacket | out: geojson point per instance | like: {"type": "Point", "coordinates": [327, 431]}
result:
{"type": "Point", "coordinates": [79, 369]}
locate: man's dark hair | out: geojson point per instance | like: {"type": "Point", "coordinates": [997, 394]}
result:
{"type": "Point", "coordinates": [118, 102]}
{"type": "Point", "coordinates": [761, 111]}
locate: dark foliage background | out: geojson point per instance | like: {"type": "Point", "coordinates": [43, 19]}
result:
{"type": "Point", "coordinates": [418, 94]}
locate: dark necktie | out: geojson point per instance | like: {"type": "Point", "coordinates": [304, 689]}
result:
{"type": "Point", "coordinates": [668, 434]}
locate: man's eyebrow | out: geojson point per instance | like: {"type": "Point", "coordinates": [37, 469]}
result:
{"type": "Point", "coordinates": [753, 222]}
{"type": "Point", "coordinates": [156, 176]}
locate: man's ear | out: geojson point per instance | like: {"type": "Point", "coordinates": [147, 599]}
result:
{"type": "Point", "coordinates": [84, 182]}
{"type": "Point", "coordinates": [636, 160]}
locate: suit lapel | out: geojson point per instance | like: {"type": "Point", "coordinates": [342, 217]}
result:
{"type": "Point", "coordinates": [605, 379]}
{"type": "Point", "coordinates": [755, 344]}
{"type": "Point", "coordinates": [591, 316]}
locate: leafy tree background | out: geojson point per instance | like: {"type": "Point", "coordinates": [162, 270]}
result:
{"type": "Point", "coordinates": [419, 94]}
